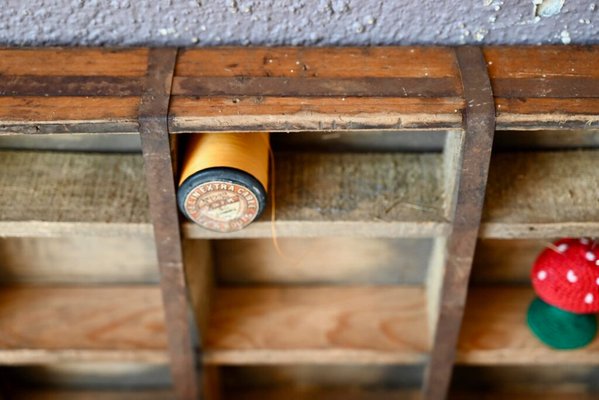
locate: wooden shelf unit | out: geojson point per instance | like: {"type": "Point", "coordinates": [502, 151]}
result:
{"type": "Point", "coordinates": [161, 94]}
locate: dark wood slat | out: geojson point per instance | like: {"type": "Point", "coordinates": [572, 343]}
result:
{"type": "Point", "coordinates": [32, 85]}
{"type": "Point", "coordinates": [315, 87]}
{"type": "Point", "coordinates": [553, 87]}
{"type": "Point", "coordinates": [116, 127]}
{"type": "Point", "coordinates": [153, 117]}
{"type": "Point", "coordinates": [479, 126]}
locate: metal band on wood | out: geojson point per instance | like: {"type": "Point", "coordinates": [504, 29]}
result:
{"type": "Point", "coordinates": [555, 87]}
{"type": "Point", "coordinates": [479, 129]}
{"type": "Point", "coordinates": [316, 87]}
{"type": "Point", "coordinates": [153, 127]}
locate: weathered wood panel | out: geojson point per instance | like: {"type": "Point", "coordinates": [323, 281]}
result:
{"type": "Point", "coordinates": [189, 114]}
{"type": "Point", "coordinates": [47, 188]}
{"type": "Point", "coordinates": [542, 194]}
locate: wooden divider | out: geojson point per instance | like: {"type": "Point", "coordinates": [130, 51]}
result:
{"type": "Point", "coordinates": [467, 203]}
{"type": "Point", "coordinates": [155, 139]}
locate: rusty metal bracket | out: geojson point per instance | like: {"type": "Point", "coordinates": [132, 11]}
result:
{"type": "Point", "coordinates": [153, 128]}
{"type": "Point", "coordinates": [473, 168]}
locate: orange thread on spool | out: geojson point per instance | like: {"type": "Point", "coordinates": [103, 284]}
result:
{"type": "Point", "coordinates": [246, 152]}
{"type": "Point", "coordinates": [224, 179]}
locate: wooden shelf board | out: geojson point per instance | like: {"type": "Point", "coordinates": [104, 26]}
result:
{"type": "Point", "coordinates": [494, 332]}
{"type": "Point", "coordinates": [344, 194]}
{"type": "Point", "coordinates": [542, 195]}
{"type": "Point", "coordinates": [61, 193]}
{"type": "Point", "coordinates": [44, 324]}
{"type": "Point", "coordinates": [317, 325]}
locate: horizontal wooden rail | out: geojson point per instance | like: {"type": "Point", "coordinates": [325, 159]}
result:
{"type": "Point", "coordinates": [290, 89]}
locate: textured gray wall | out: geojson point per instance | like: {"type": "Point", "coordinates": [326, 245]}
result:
{"type": "Point", "coordinates": [299, 22]}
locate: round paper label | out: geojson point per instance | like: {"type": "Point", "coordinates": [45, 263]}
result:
{"type": "Point", "coordinates": [221, 206]}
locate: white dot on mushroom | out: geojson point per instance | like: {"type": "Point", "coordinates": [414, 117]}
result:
{"type": "Point", "coordinates": [589, 298]}
{"type": "Point", "coordinates": [562, 247]}
{"type": "Point", "coordinates": [543, 274]}
{"type": "Point", "coordinates": [571, 277]}
{"type": "Point", "coordinates": [584, 241]}
{"type": "Point", "coordinates": [590, 256]}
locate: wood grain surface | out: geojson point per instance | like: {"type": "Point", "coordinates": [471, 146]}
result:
{"type": "Point", "coordinates": [325, 62]}
{"type": "Point", "coordinates": [73, 61]}
{"type": "Point", "coordinates": [58, 324]}
{"type": "Point", "coordinates": [359, 325]}
{"type": "Point", "coordinates": [221, 113]}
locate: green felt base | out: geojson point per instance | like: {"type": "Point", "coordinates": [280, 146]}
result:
{"type": "Point", "coordinates": [560, 329]}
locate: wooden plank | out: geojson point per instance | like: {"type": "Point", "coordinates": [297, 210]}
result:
{"type": "Point", "coordinates": [546, 113]}
{"type": "Point", "coordinates": [50, 324]}
{"type": "Point", "coordinates": [542, 61]}
{"type": "Point", "coordinates": [317, 325]}
{"type": "Point", "coordinates": [542, 195]}
{"type": "Point", "coordinates": [495, 332]}
{"type": "Point", "coordinates": [469, 194]}
{"type": "Point", "coordinates": [324, 62]}
{"type": "Point", "coordinates": [158, 166]}
{"type": "Point", "coordinates": [327, 260]}
{"type": "Point", "coordinates": [37, 115]}
{"type": "Point", "coordinates": [336, 194]}
{"type": "Point", "coordinates": [71, 86]}
{"type": "Point", "coordinates": [555, 87]}
{"type": "Point", "coordinates": [49, 193]}
{"type": "Point", "coordinates": [189, 114]}
{"type": "Point", "coordinates": [63, 61]}
{"type": "Point", "coordinates": [78, 259]}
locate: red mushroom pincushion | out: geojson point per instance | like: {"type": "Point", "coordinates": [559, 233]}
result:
{"type": "Point", "coordinates": [567, 276]}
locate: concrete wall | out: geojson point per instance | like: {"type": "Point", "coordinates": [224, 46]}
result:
{"type": "Point", "coordinates": [299, 22]}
